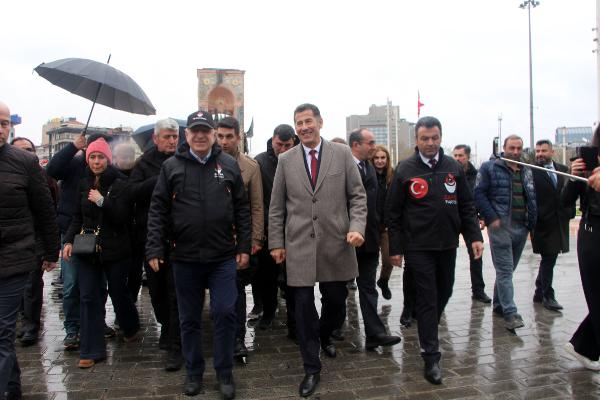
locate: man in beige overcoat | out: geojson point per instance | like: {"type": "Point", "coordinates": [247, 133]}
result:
{"type": "Point", "coordinates": [317, 216]}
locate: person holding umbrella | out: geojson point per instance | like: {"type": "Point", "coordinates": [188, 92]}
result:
{"type": "Point", "coordinates": [103, 207]}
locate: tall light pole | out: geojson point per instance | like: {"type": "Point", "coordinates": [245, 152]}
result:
{"type": "Point", "coordinates": [597, 50]}
{"type": "Point", "coordinates": [529, 4]}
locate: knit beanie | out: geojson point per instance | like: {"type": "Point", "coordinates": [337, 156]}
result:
{"type": "Point", "coordinates": [99, 146]}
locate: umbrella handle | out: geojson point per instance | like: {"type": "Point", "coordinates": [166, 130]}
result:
{"type": "Point", "coordinates": [94, 103]}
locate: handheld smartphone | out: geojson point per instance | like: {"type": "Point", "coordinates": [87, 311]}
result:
{"type": "Point", "coordinates": [589, 154]}
{"type": "Point", "coordinates": [495, 146]}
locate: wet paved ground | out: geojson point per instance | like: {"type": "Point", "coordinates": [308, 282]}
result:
{"type": "Point", "coordinates": [480, 359]}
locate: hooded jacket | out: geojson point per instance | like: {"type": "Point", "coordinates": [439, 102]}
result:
{"type": "Point", "coordinates": [112, 218]}
{"type": "Point", "coordinates": [24, 198]}
{"type": "Point", "coordinates": [200, 210]}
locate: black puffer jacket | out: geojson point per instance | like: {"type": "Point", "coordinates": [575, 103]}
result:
{"type": "Point", "coordinates": [427, 208]}
{"type": "Point", "coordinates": [24, 197]}
{"type": "Point", "coordinates": [68, 167]}
{"type": "Point", "coordinates": [471, 175]}
{"type": "Point", "coordinates": [114, 223]}
{"type": "Point", "coordinates": [143, 179]}
{"type": "Point", "coordinates": [196, 206]}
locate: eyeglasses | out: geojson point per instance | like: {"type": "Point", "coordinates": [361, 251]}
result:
{"type": "Point", "coordinates": [370, 143]}
{"type": "Point", "coordinates": [5, 123]}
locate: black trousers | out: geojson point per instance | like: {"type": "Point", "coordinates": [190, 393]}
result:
{"type": "Point", "coordinates": [163, 297]}
{"type": "Point", "coordinates": [32, 301]}
{"type": "Point", "coordinates": [265, 282]}
{"type": "Point", "coordinates": [543, 282]}
{"type": "Point", "coordinates": [311, 330]}
{"type": "Point", "coordinates": [243, 278]}
{"type": "Point", "coordinates": [136, 268]}
{"type": "Point", "coordinates": [433, 276]}
{"type": "Point", "coordinates": [408, 291]}
{"type": "Point", "coordinates": [476, 269]}
{"type": "Point", "coordinates": [586, 338]}
{"type": "Point", "coordinates": [367, 293]}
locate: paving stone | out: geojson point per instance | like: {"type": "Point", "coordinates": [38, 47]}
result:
{"type": "Point", "coordinates": [480, 358]}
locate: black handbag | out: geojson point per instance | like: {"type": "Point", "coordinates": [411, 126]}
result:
{"type": "Point", "coordinates": [87, 242]}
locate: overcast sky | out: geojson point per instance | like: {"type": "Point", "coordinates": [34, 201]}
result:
{"type": "Point", "coordinates": [468, 59]}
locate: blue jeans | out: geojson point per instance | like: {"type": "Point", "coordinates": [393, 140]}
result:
{"type": "Point", "coordinates": [11, 292]}
{"type": "Point", "coordinates": [70, 294]}
{"type": "Point", "coordinates": [92, 286]}
{"type": "Point", "coordinates": [506, 243]}
{"type": "Point", "coordinates": [191, 280]}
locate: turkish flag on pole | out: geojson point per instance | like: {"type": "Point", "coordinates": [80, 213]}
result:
{"type": "Point", "coordinates": [419, 104]}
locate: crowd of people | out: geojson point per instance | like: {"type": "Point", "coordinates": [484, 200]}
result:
{"type": "Point", "coordinates": [200, 217]}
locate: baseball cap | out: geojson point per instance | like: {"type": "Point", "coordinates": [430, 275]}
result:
{"type": "Point", "coordinates": [200, 118]}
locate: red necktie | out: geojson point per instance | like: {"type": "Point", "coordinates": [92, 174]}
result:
{"type": "Point", "coordinates": [313, 166]}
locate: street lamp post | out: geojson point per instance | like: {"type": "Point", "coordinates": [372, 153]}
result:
{"type": "Point", "coordinates": [529, 4]}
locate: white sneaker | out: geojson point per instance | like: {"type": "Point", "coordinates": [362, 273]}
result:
{"type": "Point", "coordinates": [587, 363]}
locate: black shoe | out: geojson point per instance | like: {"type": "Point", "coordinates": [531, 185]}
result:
{"type": "Point", "coordinates": [13, 394]}
{"type": "Point", "coordinates": [381, 340]}
{"type": "Point", "coordinates": [256, 313]}
{"type": "Point", "coordinates": [174, 361]}
{"type": "Point", "coordinates": [329, 349]}
{"type": "Point", "coordinates": [20, 334]}
{"type": "Point", "coordinates": [337, 335]}
{"type": "Point", "coordinates": [482, 297]}
{"type": "Point", "coordinates": [29, 339]}
{"type": "Point", "coordinates": [192, 385]}
{"type": "Point", "coordinates": [109, 332]}
{"type": "Point", "coordinates": [405, 318]}
{"type": "Point", "coordinates": [351, 285]}
{"type": "Point", "coordinates": [227, 387]}
{"type": "Point", "coordinates": [240, 349]}
{"type": "Point", "coordinates": [265, 322]}
{"type": "Point", "coordinates": [537, 298]}
{"type": "Point", "coordinates": [385, 289]}
{"type": "Point", "coordinates": [513, 321]}
{"type": "Point", "coordinates": [163, 340]}
{"type": "Point", "coordinates": [551, 304]}
{"type": "Point", "coordinates": [498, 311]}
{"type": "Point", "coordinates": [71, 341]}
{"type": "Point", "coordinates": [309, 384]}
{"type": "Point", "coordinates": [433, 373]}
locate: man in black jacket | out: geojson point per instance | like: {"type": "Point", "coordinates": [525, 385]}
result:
{"type": "Point", "coordinates": [551, 234]}
{"type": "Point", "coordinates": [24, 198]}
{"type": "Point", "coordinates": [68, 167]}
{"type": "Point", "coordinates": [462, 154]}
{"type": "Point", "coordinates": [284, 138]}
{"type": "Point", "coordinates": [143, 178]}
{"type": "Point", "coordinates": [198, 200]}
{"type": "Point", "coordinates": [429, 205]}
{"type": "Point", "coordinates": [362, 144]}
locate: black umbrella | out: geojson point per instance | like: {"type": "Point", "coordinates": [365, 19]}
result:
{"type": "Point", "coordinates": [98, 82]}
{"type": "Point", "coordinates": [143, 135]}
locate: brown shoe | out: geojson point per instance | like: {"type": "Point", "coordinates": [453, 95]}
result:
{"type": "Point", "coordinates": [86, 363]}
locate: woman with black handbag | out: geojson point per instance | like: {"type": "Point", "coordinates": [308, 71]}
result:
{"type": "Point", "coordinates": [99, 243]}
{"type": "Point", "coordinates": [585, 343]}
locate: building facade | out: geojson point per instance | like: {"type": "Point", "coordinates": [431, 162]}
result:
{"type": "Point", "coordinates": [573, 136]}
{"type": "Point", "coordinates": [390, 130]}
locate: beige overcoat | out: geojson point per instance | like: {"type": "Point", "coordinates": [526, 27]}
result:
{"type": "Point", "coordinates": [312, 225]}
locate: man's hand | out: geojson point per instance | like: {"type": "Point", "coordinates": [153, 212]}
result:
{"type": "Point", "coordinates": [495, 224]}
{"type": "Point", "coordinates": [66, 253]}
{"type": "Point", "coordinates": [396, 261]}
{"type": "Point", "coordinates": [48, 266]}
{"type": "Point", "coordinates": [477, 249]}
{"type": "Point", "coordinates": [94, 196]}
{"type": "Point", "coordinates": [242, 260]}
{"type": "Point", "coordinates": [481, 224]}
{"type": "Point", "coordinates": [594, 180]}
{"type": "Point", "coordinates": [355, 239]}
{"type": "Point", "coordinates": [578, 167]}
{"type": "Point", "coordinates": [255, 249]}
{"type": "Point", "coordinates": [154, 263]}
{"type": "Point", "coordinates": [278, 255]}
{"type": "Point", "coordinates": [80, 142]}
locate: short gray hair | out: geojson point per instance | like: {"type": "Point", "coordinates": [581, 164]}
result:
{"type": "Point", "coordinates": [168, 123]}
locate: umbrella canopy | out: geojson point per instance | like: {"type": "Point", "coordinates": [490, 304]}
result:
{"type": "Point", "coordinates": [143, 135]}
{"type": "Point", "coordinates": [98, 82]}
